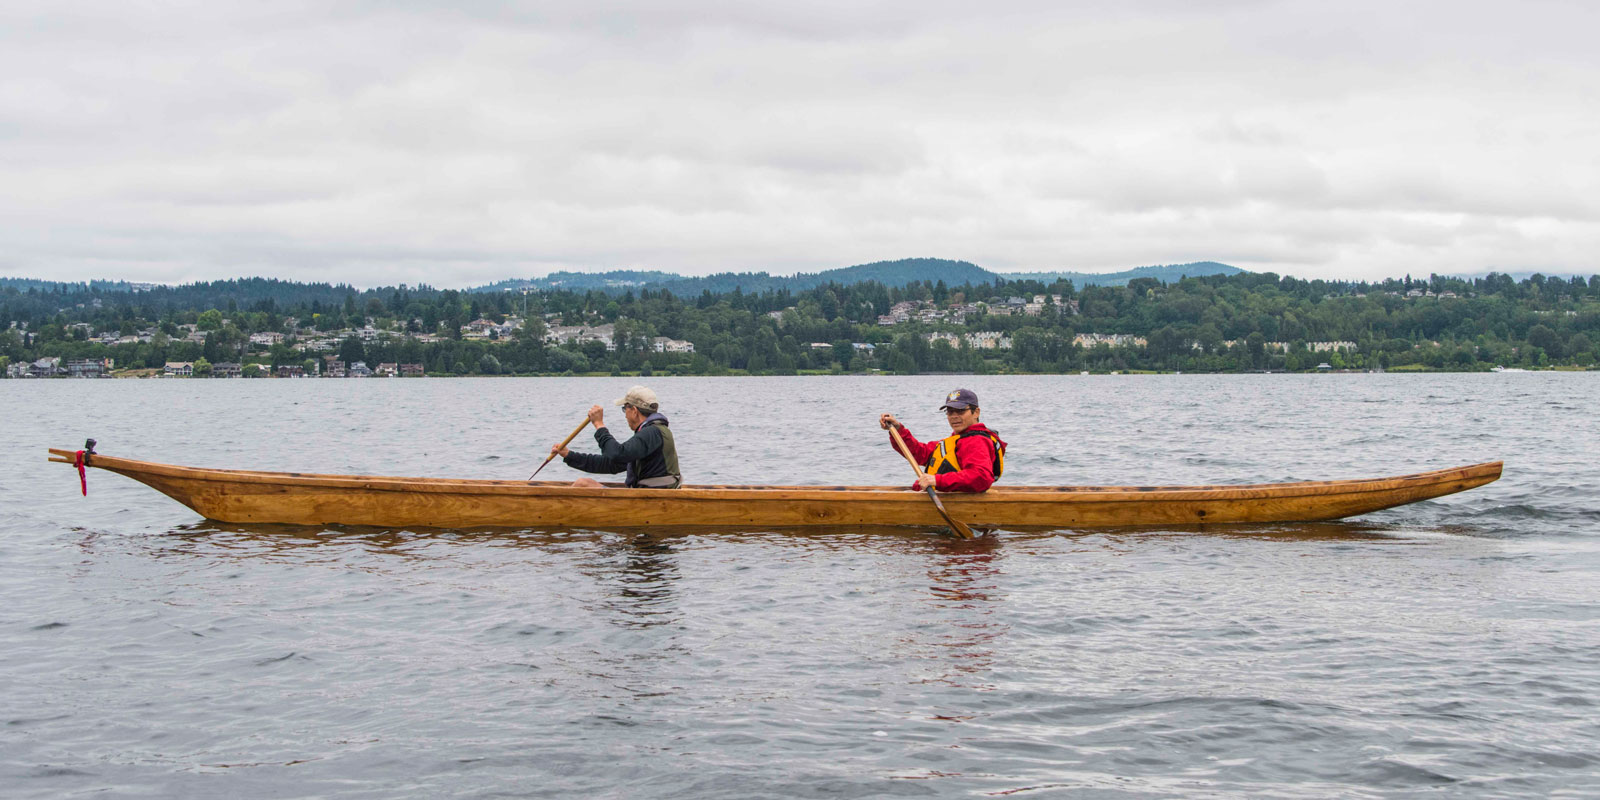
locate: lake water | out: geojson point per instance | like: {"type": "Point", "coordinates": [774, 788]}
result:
{"type": "Point", "coordinates": [1450, 647]}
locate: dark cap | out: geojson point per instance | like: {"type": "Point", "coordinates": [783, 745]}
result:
{"type": "Point", "coordinates": [959, 399]}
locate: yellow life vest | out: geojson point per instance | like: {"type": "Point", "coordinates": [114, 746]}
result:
{"type": "Point", "coordinates": [943, 459]}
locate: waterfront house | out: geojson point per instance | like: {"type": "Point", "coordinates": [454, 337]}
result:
{"type": "Point", "coordinates": [987, 340]}
{"type": "Point", "coordinates": [663, 344]}
{"type": "Point", "coordinates": [90, 367]}
{"type": "Point", "coordinates": [387, 369]}
{"type": "Point", "coordinates": [358, 370]}
{"type": "Point", "coordinates": [178, 369]}
{"type": "Point", "coordinates": [1327, 347]}
{"type": "Point", "coordinates": [226, 369]}
{"type": "Point", "coordinates": [1087, 340]}
{"type": "Point", "coordinates": [411, 371]}
{"type": "Point", "coordinates": [286, 371]}
{"type": "Point", "coordinates": [582, 334]}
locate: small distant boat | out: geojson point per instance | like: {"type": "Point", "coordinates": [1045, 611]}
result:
{"type": "Point", "coordinates": [1499, 368]}
{"type": "Point", "coordinates": [294, 498]}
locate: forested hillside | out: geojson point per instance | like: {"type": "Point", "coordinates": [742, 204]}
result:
{"type": "Point", "coordinates": [1216, 323]}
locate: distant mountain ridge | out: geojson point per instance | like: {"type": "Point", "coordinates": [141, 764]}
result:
{"type": "Point", "coordinates": [889, 273]}
{"type": "Point", "coordinates": [1166, 273]}
{"type": "Point", "coordinates": [24, 284]}
{"type": "Point", "coordinates": [1516, 276]}
{"type": "Point", "coordinates": [615, 279]}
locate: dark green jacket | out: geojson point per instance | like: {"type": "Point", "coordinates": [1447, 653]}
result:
{"type": "Point", "coordinates": [649, 454]}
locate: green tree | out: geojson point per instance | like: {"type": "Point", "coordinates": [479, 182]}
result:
{"type": "Point", "coordinates": [1543, 337]}
{"type": "Point", "coordinates": [351, 350]}
{"type": "Point", "coordinates": [1581, 349]}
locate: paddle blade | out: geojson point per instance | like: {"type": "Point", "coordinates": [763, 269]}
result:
{"type": "Point", "coordinates": [961, 529]}
{"type": "Point", "coordinates": [542, 466]}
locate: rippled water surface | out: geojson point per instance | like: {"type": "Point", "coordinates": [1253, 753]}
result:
{"type": "Point", "coordinates": [1449, 647]}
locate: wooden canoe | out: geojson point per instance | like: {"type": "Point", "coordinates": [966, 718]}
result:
{"type": "Point", "coordinates": [294, 498]}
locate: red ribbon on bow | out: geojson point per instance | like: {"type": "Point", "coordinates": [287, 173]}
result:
{"type": "Point", "coordinates": [83, 476]}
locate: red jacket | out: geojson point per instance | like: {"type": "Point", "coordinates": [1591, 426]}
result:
{"type": "Point", "coordinates": [975, 454]}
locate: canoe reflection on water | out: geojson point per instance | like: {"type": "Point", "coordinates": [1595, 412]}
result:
{"type": "Point", "coordinates": [273, 536]}
{"type": "Point", "coordinates": [964, 598]}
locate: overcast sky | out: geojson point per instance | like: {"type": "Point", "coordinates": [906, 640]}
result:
{"type": "Point", "coordinates": [386, 142]}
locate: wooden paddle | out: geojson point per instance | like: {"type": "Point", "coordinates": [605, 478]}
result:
{"type": "Point", "coordinates": [564, 443]}
{"type": "Point", "coordinates": [960, 528]}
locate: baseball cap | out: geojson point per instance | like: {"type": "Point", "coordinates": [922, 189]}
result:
{"type": "Point", "coordinates": [960, 398]}
{"type": "Point", "coordinates": [639, 397]}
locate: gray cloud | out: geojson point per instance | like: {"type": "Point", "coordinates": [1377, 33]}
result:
{"type": "Point", "coordinates": [382, 142]}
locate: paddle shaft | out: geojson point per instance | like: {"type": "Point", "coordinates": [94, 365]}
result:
{"type": "Point", "coordinates": [960, 528]}
{"type": "Point", "coordinates": [564, 443]}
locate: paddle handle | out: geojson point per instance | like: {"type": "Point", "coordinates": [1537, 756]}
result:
{"type": "Point", "coordinates": [900, 445]}
{"type": "Point", "coordinates": [564, 443]}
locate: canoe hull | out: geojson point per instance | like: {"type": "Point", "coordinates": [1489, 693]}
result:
{"type": "Point", "coordinates": [239, 496]}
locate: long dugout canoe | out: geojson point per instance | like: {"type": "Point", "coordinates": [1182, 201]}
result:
{"type": "Point", "coordinates": [293, 498]}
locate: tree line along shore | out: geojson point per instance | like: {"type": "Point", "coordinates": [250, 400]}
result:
{"type": "Point", "coordinates": [1223, 323]}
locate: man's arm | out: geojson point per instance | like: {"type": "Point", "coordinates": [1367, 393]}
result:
{"type": "Point", "coordinates": [645, 441]}
{"type": "Point", "coordinates": [592, 462]}
{"type": "Point", "coordinates": [920, 452]}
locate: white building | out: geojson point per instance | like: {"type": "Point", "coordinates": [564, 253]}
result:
{"type": "Point", "coordinates": [663, 344]}
{"type": "Point", "coordinates": [1328, 347]}
{"type": "Point", "coordinates": [1111, 339]}
{"type": "Point", "coordinates": [988, 340]}
{"type": "Point", "coordinates": [558, 334]}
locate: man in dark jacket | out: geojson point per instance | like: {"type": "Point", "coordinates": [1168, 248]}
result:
{"type": "Point", "coordinates": [969, 460]}
{"type": "Point", "coordinates": [650, 457]}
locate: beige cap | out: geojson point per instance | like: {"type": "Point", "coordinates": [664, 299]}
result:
{"type": "Point", "coordinates": [639, 397]}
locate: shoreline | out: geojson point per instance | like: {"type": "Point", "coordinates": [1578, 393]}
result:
{"type": "Point", "coordinates": [744, 374]}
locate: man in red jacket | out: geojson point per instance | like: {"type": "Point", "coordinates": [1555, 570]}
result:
{"type": "Point", "coordinates": [969, 460]}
